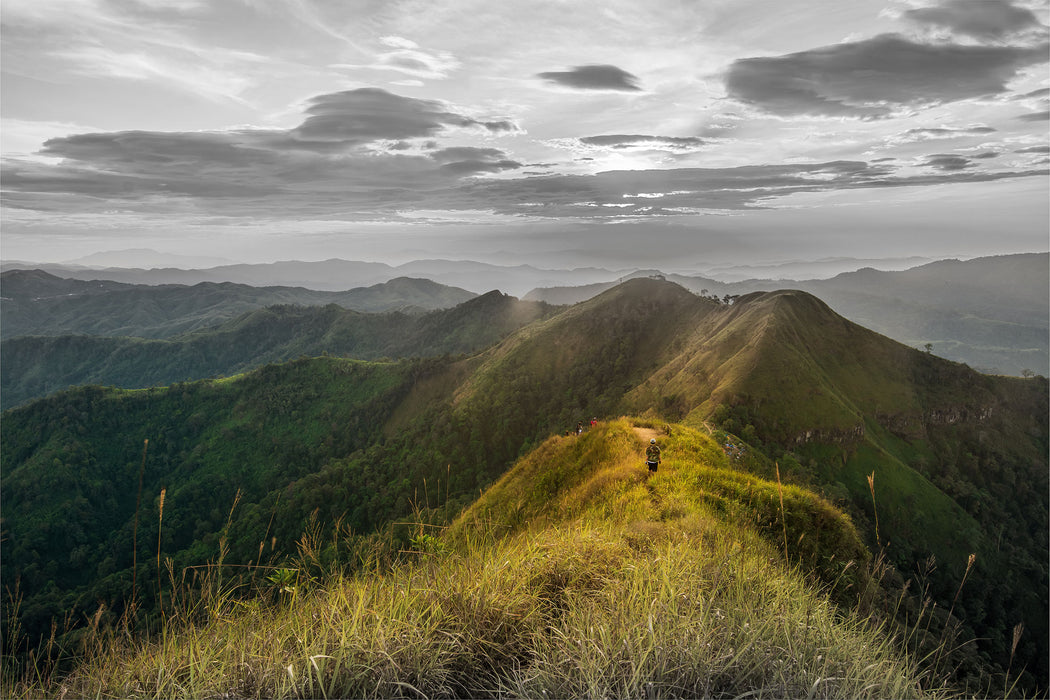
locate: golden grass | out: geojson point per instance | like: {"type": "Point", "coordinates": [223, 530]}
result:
{"type": "Point", "coordinates": [573, 577]}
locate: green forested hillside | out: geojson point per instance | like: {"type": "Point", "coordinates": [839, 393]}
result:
{"type": "Point", "coordinates": [777, 377]}
{"type": "Point", "coordinates": [34, 366]}
{"type": "Point", "coordinates": [37, 303]}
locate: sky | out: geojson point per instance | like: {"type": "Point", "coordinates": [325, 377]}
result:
{"type": "Point", "coordinates": [562, 133]}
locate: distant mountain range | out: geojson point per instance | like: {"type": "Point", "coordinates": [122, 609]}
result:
{"type": "Point", "coordinates": [35, 302]}
{"type": "Point", "coordinates": [957, 459]}
{"type": "Point", "coordinates": [992, 313]}
{"type": "Point", "coordinates": [339, 275]}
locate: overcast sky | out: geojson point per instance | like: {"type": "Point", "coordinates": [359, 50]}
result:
{"type": "Point", "coordinates": [671, 133]}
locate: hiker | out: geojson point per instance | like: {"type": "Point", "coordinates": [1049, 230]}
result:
{"type": "Point", "coordinates": [594, 422]}
{"type": "Point", "coordinates": [579, 428]}
{"type": "Point", "coordinates": [652, 456]}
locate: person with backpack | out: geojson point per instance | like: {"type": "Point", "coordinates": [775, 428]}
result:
{"type": "Point", "coordinates": [652, 456]}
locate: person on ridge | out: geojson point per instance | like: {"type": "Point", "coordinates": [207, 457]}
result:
{"type": "Point", "coordinates": [652, 456]}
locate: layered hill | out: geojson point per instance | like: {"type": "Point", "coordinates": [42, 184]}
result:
{"type": "Point", "coordinates": [35, 302]}
{"type": "Point", "coordinates": [35, 366]}
{"type": "Point", "coordinates": [957, 459]}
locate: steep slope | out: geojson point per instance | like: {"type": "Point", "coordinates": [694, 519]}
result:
{"type": "Point", "coordinates": [583, 360]}
{"type": "Point", "coordinates": [36, 303]}
{"type": "Point", "coordinates": [958, 458]}
{"type": "Point", "coordinates": [72, 464]}
{"type": "Point", "coordinates": [35, 365]}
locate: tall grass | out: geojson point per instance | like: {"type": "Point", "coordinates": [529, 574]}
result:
{"type": "Point", "coordinates": [591, 583]}
{"type": "Point", "coordinates": [691, 609]}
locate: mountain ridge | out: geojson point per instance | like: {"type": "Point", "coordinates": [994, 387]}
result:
{"type": "Point", "coordinates": [158, 311]}
{"type": "Point", "coordinates": [988, 312]}
{"type": "Point", "coordinates": [34, 366]}
{"type": "Point", "coordinates": [947, 473]}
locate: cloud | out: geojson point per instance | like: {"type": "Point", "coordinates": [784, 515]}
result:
{"type": "Point", "coordinates": [368, 154]}
{"type": "Point", "coordinates": [353, 117]}
{"type": "Point", "coordinates": [351, 139]}
{"type": "Point", "coordinates": [1035, 116]}
{"type": "Point", "coordinates": [948, 162]}
{"type": "Point", "coordinates": [216, 175]}
{"type": "Point", "coordinates": [138, 41]}
{"type": "Point", "coordinates": [643, 141]}
{"type": "Point", "coordinates": [473, 167]}
{"type": "Point", "coordinates": [1034, 149]}
{"type": "Point", "coordinates": [875, 77]}
{"type": "Point", "coordinates": [920, 134]}
{"type": "Point", "coordinates": [468, 160]}
{"type": "Point", "coordinates": [979, 19]}
{"type": "Point", "coordinates": [946, 132]}
{"type": "Point", "coordinates": [408, 58]}
{"type": "Point", "coordinates": [1041, 93]}
{"type": "Point", "coordinates": [661, 193]}
{"type": "Point", "coordinates": [593, 77]}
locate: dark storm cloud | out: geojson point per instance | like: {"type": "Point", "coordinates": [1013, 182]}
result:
{"type": "Point", "coordinates": [874, 77]}
{"type": "Point", "coordinates": [980, 19]}
{"type": "Point", "coordinates": [593, 77]}
{"type": "Point", "coordinates": [622, 141]}
{"type": "Point", "coordinates": [948, 162]}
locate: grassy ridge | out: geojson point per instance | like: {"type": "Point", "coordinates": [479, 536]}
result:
{"type": "Point", "coordinates": [597, 582]}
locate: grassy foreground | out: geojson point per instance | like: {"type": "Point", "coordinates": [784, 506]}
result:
{"type": "Point", "coordinates": [572, 577]}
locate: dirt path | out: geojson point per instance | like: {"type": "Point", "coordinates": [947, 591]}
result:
{"type": "Point", "coordinates": [646, 434]}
